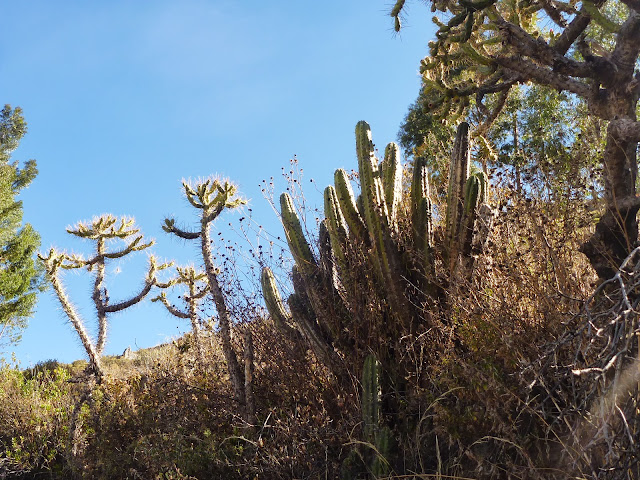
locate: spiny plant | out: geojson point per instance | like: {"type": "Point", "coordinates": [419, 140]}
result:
{"type": "Point", "coordinates": [372, 453]}
{"type": "Point", "coordinates": [211, 197]}
{"type": "Point", "coordinates": [379, 275]}
{"type": "Point", "coordinates": [195, 282]}
{"type": "Point", "coordinates": [374, 222]}
{"type": "Point", "coordinates": [100, 230]}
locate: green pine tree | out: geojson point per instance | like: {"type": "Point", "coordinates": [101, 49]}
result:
{"type": "Point", "coordinates": [20, 276]}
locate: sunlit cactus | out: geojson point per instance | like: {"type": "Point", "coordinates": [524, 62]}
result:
{"type": "Point", "coordinates": [349, 206]}
{"type": "Point", "coordinates": [337, 227]}
{"type": "Point", "coordinates": [298, 244]}
{"type": "Point", "coordinates": [101, 230]}
{"type": "Point", "coordinates": [275, 305]}
{"type": "Point", "coordinates": [392, 180]}
{"type": "Point", "coordinates": [197, 287]}
{"type": "Point", "coordinates": [212, 196]}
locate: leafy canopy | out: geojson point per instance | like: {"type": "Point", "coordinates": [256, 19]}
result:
{"type": "Point", "coordinates": [20, 277]}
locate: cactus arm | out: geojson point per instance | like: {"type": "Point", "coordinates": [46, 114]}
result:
{"type": "Point", "coordinates": [274, 304]}
{"type": "Point", "coordinates": [149, 282]}
{"type": "Point", "coordinates": [170, 227]}
{"type": "Point", "coordinates": [298, 244]}
{"type": "Point", "coordinates": [392, 180]}
{"type": "Point", "coordinates": [467, 222]}
{"type": "Point", "coordinates": [375, 207]}
{"type": "Point", "coordinates": [130, 302]}
{"type": "Point", "coordinates": [348, 206]}
{"type": "Point", "coordinates": [305, 319]}
{"type": "Point", "coordinates": [337, 226]}
{"type": "Point", "coordinates": [135, 246]}
{"type": "Point", "coordinates": [421, 214]}
{"type": "Point", "coordinates": [170, 308]}
{"type": "Point", "coordinates": [370, 397]}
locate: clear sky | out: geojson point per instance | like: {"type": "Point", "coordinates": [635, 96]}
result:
{"type": "Point", "coordinates": [124, 99]}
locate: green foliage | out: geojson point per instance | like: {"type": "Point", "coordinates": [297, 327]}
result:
{"type": "Point", "coordinates": [589, 51]}
{"type": "Point", "coordinates": [20, 277]}
{"type": "Point", "coordinates": [34, 413]}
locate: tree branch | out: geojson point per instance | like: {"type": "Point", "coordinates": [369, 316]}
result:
{"type": "Point", "coordinates": [626, 129]}
{"type": "Point", "coordinates": [538, 49]}
{"type": "Point", "coordinates": [544, 76]}
{"type": "Point", "coordinates": [627, 48]}
{"type": "Point", "coordinates": [572, 32]}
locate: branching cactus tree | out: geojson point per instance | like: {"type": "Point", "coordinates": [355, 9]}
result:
{"type": "Point", "coordinates": [101, 230]}
{"type": "Point", "coordinates": [197, 287]}
{"type": "Point", "coordinates": [211, 197]}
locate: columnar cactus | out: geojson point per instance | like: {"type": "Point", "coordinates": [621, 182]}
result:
{"type": "Point", "coordinates": [369, 285]}
{"type": "Point", "coordinates": [100, 230]}
{"type": "Point", "coordinates": [370, 401]}
{"type": "Point", "coordinates": [374, 430]}
{"type": "Point", "coordinates": [298, 244]}
{"type": "Point", "coordinates": [370, 225]}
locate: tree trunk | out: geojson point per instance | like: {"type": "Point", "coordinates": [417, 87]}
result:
{"type": "Point", "coordinates": [617, 230]}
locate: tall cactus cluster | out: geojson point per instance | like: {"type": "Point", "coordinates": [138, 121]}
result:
{"type": "Point", "coordinates": [368, 239]}
{"type": "Point", "coordinates": [379, 274]}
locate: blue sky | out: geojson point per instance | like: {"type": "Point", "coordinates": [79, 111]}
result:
{"type": "Point", "coordinates": [124, 99]}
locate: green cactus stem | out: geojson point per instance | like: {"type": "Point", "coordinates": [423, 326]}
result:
{"type": "Point", "coordinates": [349, 206]}
{"type": "Point", "coordinates": [467, 222]}
{"type": "Point", "coordinates": [298, 244]}
{"type": "Point", "coordinates": [458, 176]}
{"type": "Point", "coordinates": [374, 432]}
{"type": "Point", "coordinates": [421, 215]}
{"type": "Point", "coordinates": [275, 306]}
{"type": "Point", "coordinates": [392, 181]}
{"type": "Point", "coordinates": [337, 226]}
{"type": "Point", "coordinates": [370, 402]}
